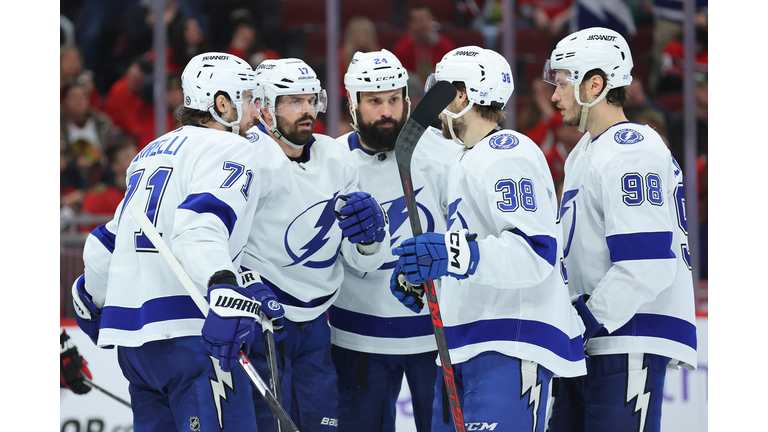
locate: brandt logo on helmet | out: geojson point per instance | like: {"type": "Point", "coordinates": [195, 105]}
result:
{"type": "Point", "coordinates": [627, 136]}
{"type": "Point", "coordinates": [504, 142]}
{"type": "Point", "coordinates": [219, 57]}
{"type": "Point", "coordinates": [466, 53]}
{"type": "Point", "coordinates": [601, 37]}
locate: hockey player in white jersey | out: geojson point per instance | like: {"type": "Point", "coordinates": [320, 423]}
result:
{"type": "Point", "coordinates": [375, 340]}
{"type": "Point", "coordinates": [297, 242]}
{"type": "Point", "coordinates": [508, 320]}
{"type": "Point", "coordinates": [199, 186]}
{"type": "Point", "coordinates": [623, 216]}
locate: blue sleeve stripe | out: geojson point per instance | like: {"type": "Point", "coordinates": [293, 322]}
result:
{"type": "Point", "coordinates": [380, 327]}
{"type": "Point", "coordinates": [287, 299]}
{"type": "Point", "coordinates": [207, 203]}
{"type": "Point", "coordinates": [105, 237]}
{"type": "Point", "coordinates": [159, 309]}
{"type": "Point", "coordinates": [640, 246]}
{"type": "Point", "coordinates": [657, 326]}
{"type": "Point", "coordinates": [516, 330]}
{"type": "Point", "coordinates": [544, 246]}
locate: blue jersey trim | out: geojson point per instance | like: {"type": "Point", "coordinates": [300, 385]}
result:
{"type": "Point", "coordinates": [154, 310]}
{"type": "Point", "coordinates": [640, 246]}
{"type": "Point", "coordinates": [287, 299]}
{"type": "Point", "coordinates": [354, 144]}
{"type": "Point", "coordinates": [657, 326]}
{"type": "Point", "coordinates": [544, 246]}
{"type": "Point", "coordinates": [516, 330]}
{"type": "Point", "coordinates": [207, 203]}
{"type": "Point", "coordinates": [106, 238]}
{"type": "Point", "coordinates": [380, 327]}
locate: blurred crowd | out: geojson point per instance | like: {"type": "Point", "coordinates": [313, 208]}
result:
{"type": "Point", "coordinates": [106, 71]}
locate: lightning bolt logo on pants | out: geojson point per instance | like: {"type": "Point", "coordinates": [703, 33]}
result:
{"type": "Point", "coordinates": [218, 390]}
{"type": "Point", "coordinates": [637, 380]}
{"type": "Point", "coordinates": [530, 384]}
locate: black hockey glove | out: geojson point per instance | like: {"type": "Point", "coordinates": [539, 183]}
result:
{"type": "Point", "coordinates": [73, 366]}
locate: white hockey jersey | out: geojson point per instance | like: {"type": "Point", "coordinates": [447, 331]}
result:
{"type": "Point", "coordinates": [626, 243]}
{"type": "Point", "coordinates": [200, 188]}
{"type": "Point", "coordinates": [366, 317]}
{"type": "Point", "coordinates": [295, 242]}
{"type": "Point", "coordinates": [516, 302]}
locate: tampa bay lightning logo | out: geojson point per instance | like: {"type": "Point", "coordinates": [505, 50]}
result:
{"type": "Point", "coordinates": [453, 213]}
{"type": "Point", "coordinates": [252, 136]}
{"type": "Point", "coordinates": [628, 136]}
{"type": "Point", "coordinates": [273, 305]}
{"type": "Point", "coordinates": [323, 248]}
{"type": "Point", "coordinates": [397, 212]}
{"type": "Point", "coordinates": [568, 202]}
{"type": "Point", "coordinates": [504, 141]}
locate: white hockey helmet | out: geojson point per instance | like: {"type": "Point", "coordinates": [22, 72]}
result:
{"type": "Point", "coordinates": [592, 48]}
{"type": "Point", "coordinates": [284, 77]}
{"type": "Point", "coordinates": [485, 73]}
{"type": "Point", "coordinates": [209, 73]}
{"type": "Point", "coordinates": [374, 71]}
{"type": "Point", "coordinates": [586, 50]}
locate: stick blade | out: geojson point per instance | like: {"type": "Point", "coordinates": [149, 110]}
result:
{"type": "Point", "coordinates": [433, 103]}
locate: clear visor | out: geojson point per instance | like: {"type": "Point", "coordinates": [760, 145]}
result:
{"type": "Point", "coordinates": [431, 80]}
{"type": "Point", "coordinates": [254, 99]}
{"type": "Point", "coordinates": [555, 76]}
{"type": "Point", "coordinates": [312, 104]}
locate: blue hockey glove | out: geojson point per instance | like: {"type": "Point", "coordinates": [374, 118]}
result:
{"type": "Point", "coordinates": [433, 255]}
{"type": "Point", "coordinates": [231, 322]}
{"type": "Point", "coordinates": [587, 318]}
{"type": "Point", "coordinates": [269, 304]}
{"type": "Point", "coordinates": [410, 295]}
{"type": "Point", "coordinates": [361, 218]}
{"type": "Point", "coordinates": [87, 315]}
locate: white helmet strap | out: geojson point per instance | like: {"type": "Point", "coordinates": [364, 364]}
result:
{"type": "Point", "coordinates": [276, 132]}
{"type": "Point", "coordinates": [586, 106]}
{"type": "Point", "coordinates": [235, 125]}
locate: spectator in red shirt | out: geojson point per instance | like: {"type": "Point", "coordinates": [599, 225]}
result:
{"type": "Point", "coordinates": [103, 198]}
{"type": "Point", "coordinates": [174, 98]}
{"type": "Point", "coordinates": [124, 104]}
{"type": "Point", "coordinates": [422, 47]}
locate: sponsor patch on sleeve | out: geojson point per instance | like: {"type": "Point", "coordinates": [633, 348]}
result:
{"type": "Point", "coordinates": [504, 141]}
{"type": "Point", "coordinates": [628, 136]}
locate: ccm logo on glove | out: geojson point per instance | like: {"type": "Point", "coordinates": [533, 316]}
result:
{"type": "Point", "coordinates": [460, 254]}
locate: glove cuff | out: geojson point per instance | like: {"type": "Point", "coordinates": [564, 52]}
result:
{"type": "Point", "coordinates": [463, 252]}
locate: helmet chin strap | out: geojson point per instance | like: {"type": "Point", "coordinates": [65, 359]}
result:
{"type": "Point", "coordinates": [449, 116]}
{"type": "Point", "coordinates": [276, 132]}
{"type": "Point", "coordinates": [586, 106]}
{"type": "Point", "coordinates": [235, 125]}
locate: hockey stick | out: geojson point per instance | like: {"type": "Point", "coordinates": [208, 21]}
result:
{"type": "Point", "coordinates": [274, 374]}
{"type": "Point", "coordinates": [429, 108]}
{"type": "Point", "coordinates": [113, 396]}
{"type": "Point", "coordinates": [151, 232]}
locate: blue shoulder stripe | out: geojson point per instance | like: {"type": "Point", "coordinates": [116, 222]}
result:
{"type": "Point", "coordinates": [380, 327]}
{"type": "Point", "coordinates": [544, 246]}
{"type": "Point", "coordinates": [531, 332]}
{"type": "Point", "coordinates": [159, 309]}
{"type": "Point", "coordinates": [640, 246]}
{"type": "Point", "coordinates": [105, 237]}
{"type": "Point", "coordinates": [207, 203]}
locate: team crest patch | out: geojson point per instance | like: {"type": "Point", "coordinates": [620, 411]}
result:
{"type": "Point", "coordinates": [252, 136]}
{"type": "Point", "coordinates": [504, 141]}
{"type": "Point", "coordinates": [627, 136]}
